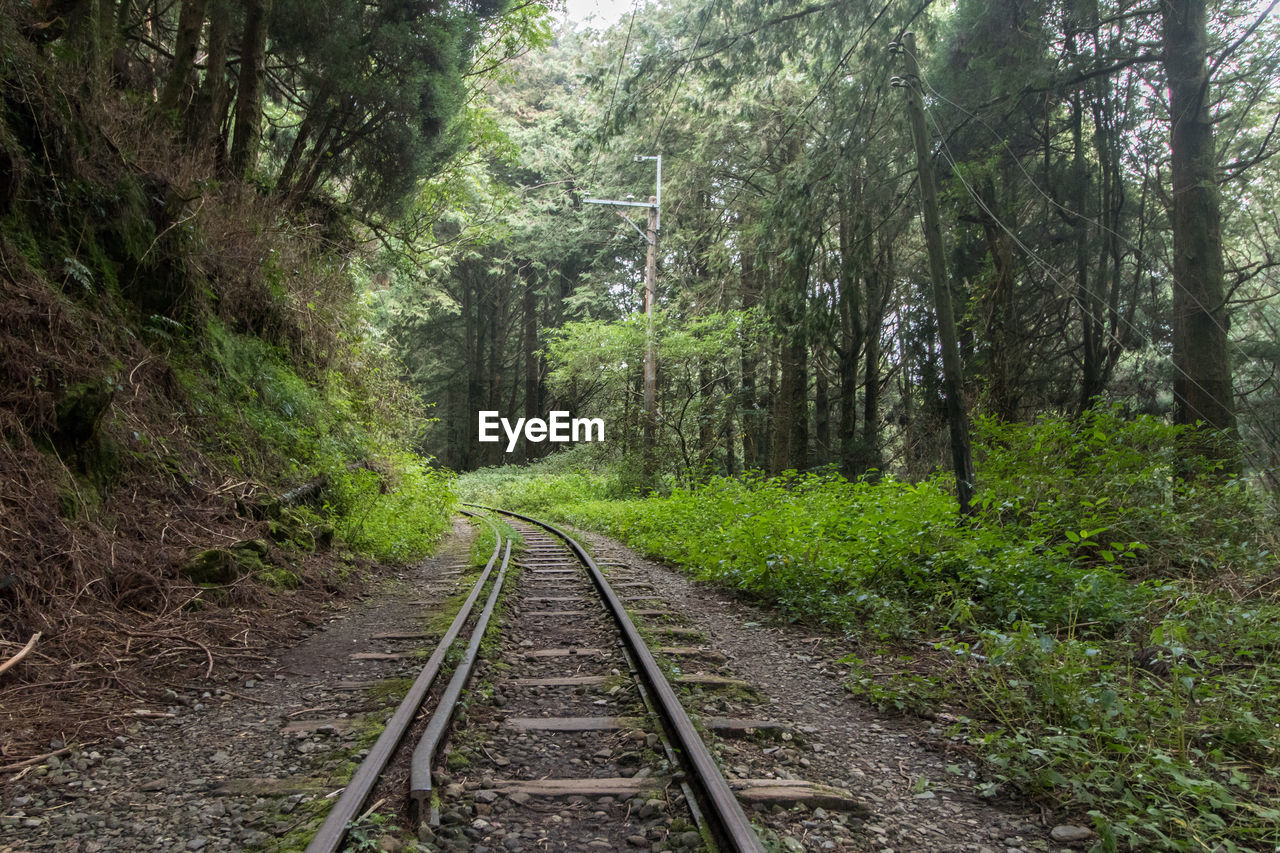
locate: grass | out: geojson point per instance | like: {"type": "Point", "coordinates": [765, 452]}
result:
{"type": "Point", "coordinates": [1104, 634]}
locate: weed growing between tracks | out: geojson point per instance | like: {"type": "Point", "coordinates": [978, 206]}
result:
{"type": "Point", "coordinates": [1103, 635]}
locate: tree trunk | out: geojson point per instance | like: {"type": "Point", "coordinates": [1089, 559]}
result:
{"type": "Point", "coordinates": [177, 87]}
{"type": "Point", "coordinates": [952, 370]}
{"type": "Point", "coordinates": [253, 70]}
{"type": "Point", "coordinates": [209, 109]}
{"type": "Point", "coordinates": [748, 403]}
{"type": "Point", "coordinates": [880, 273]}
{"type": "Point", "coordinates": [821, 413]}
{"type": "Point", "coordinates": [851, 339]}
{"type": "Point", "coordinates": [1202, 388]}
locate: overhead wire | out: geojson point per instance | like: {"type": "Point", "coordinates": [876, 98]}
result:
{"type": "Point", "coordinates": [617, 81]}
{"type": "Point", "coordinates": [684, 70]}
{"type": "Point", "coordinates": [1017, 161]}
{"type": "Point", "coordinates": [1067, 288]}
{"type": "Point", "coordinates": [857, 42]}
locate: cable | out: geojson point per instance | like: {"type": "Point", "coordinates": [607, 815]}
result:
{"type": "Point", "coordinates": [945, 152]}
{"type": "Point", "coordinates": [1031, 180]}
{"type": "Point", "coordinates": [617, 81]}
{"type": "Point", "coordinates": [684, 70]}
{"type": "Point", "coordinates": [1270, 436]}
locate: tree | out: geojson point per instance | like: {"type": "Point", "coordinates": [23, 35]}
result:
{"type": "Point", "coordinates": [1202, 387]}
{"type": "Point", "coordinates": [253, 70]}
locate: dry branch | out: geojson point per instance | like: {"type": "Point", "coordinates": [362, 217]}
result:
{"type": "Point", "coordinates": [22, 653]}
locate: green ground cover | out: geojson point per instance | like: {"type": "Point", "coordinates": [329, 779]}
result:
{"type": "Point", "coordinates": [1103, 634]}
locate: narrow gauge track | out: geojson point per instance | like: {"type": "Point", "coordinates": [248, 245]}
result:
{"type": "Point", "coordinates": [584, 662]}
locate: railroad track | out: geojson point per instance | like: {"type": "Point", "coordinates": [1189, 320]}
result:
{"type": "Point", "coordinates": [582, 716]}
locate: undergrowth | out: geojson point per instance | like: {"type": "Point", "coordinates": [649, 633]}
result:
{"type": "Point", "coordinates": [177, 352]}
{"type": "Point", "coordinates": [1104, 634]}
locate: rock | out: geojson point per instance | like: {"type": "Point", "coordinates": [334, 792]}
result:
{"type": "Point", "coordinates": [223, 565]}
{"type": "Point", "coordinates": [1067, 832]}
{"type": "Point", "coordinates": [197, 843]}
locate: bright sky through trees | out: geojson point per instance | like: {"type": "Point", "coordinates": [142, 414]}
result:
{"type": "Point", "coordinates": [598, 13]}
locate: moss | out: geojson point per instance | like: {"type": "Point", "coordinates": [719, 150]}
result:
{"type": "Point", "coordinates": [389, 690]}
{"type": "Point", "coordinates": [224, 565]}
{"type": "Point", "coordinates": [279, 578]}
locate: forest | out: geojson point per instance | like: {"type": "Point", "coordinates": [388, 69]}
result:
{"type": "Point", "coordinates": [949, 327]}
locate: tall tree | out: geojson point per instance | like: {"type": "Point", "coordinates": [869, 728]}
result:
{"type": "Point", "coordinates": [190, 24]}
{"type": "Point", "coordinates": [1202, 385]}
{"type": "Point", "coordinates": [253, 71]}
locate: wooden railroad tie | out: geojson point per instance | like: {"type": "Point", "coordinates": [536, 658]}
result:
{"type": "Point", "coordinates": [699, 679]}
{"type": "Point", "coordinates": [783, 792]}
{"type": "Point", "coordinates": [337, 724]}
{"type": "Point", "coordinates": [572, 724]}
{"type": "Point", "coordinates": [561, 653]}
{"type": "Point", "coordinates": [564, 681]}
{"type": "Point", "coordinates": [693, 652]}
{"type": "Point", "coordinates": [728, 726]}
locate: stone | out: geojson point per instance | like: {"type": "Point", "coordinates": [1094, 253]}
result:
{"type": "Point", "coordinates": [1067, 832]}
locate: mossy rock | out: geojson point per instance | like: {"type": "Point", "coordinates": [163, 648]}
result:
{"type": "Point", "coordinates": [261, 509]}
{"type": "Point", "coordinates": [224, 565]}
{"type": "Point", "coordinates": [292, 528]}
{"type": "Point", "coordinates": [217, 565]}
{"type": "Point", "coordinates": [279, 578]}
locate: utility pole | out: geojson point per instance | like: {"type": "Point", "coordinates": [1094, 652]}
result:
{"type": "Point", "coordinates": [650, 299]}
{"type": "Point", "coordinates": [650, 356]}
{"type": "Point", "coordinates": [952, 373]}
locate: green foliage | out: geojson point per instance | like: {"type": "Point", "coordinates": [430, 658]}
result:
{"type": "Point", "coordinates": [1104, 490]}
{"type": "Point", "coordinates": [1106, 628]}
{"type": "Point", "coordinates": [266, 416]}
{"type": "Point", "coordinates": [396, 520]}
{"type": "Point", "coordinates": [367, 833]}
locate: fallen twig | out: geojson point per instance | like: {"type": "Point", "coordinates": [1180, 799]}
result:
{"type": "Point", "coordinates": [22, 653]}
{"type": "Point", "coordinates": [32, 761]}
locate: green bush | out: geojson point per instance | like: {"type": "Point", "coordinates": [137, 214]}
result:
{"type": "Point", "coordinates": [392, 517]}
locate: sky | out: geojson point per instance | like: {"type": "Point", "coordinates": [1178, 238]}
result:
{"type": "Point", "coordinates": [602, 13]}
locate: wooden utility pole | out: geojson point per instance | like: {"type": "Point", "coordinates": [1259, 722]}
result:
{"type": "Point", "coordinates": [654, 204]}
{"type": "Point", "coordinates": [952, 373]}
{"type": "Point", "coordinates": [650, 356]}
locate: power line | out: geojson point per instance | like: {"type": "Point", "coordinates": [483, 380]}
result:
{"type": "Point", "coordinates": [617, 81]}
{"type": "Point", "coordinates": [684, 70]}
{"type": "Point", "coordinates": [945, 152]}
{"type": "Point", "coordinates": [1032, 182]}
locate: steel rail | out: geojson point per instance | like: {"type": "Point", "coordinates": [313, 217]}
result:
{"type": "Point", "coordinates": [425, 752]}
{"type": "Point", "coordinates": [329, 838]}
{"type": "Point", "coordinates": [727, 821]}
